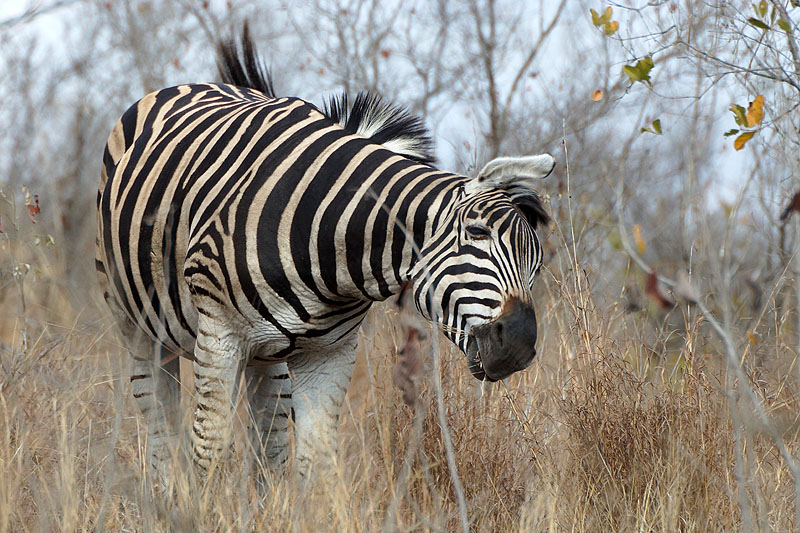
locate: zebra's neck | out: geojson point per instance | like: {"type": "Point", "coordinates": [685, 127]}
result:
{"type": "Point", "coordinates": [406, 203]}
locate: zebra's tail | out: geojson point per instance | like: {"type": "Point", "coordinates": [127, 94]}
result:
{"type": "Point", "coordinates": [369, 116]}
{"type": "Point", "coordinates": [239, 64]}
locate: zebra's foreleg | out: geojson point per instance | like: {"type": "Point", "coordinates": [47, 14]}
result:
{"type": "Point", "coordinates": [270, 394]}
{"type": "Point", "coordinates": [155, 386]}
{"type": "Point", "coordinates": [216, 371]}
{"type": "Point", "coordinates": [319, 382]}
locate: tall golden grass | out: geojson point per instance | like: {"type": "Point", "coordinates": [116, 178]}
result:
{"type": "Point", "coordinates": [611, 429]}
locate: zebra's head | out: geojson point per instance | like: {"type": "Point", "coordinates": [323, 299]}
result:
{"type": "Point", "coordinates": [475, 274]}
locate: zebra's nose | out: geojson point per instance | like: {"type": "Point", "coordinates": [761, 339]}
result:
{"type": "Point", "coordinates": [507, 344]}
{"type": "Point", "coordinates": [515, 330]}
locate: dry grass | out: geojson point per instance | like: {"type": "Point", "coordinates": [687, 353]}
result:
{"type": "Point", "coordinates": [604, 433]}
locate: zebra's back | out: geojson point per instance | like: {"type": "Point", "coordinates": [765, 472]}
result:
{"type": "Point", "coordinates": [226, 191]}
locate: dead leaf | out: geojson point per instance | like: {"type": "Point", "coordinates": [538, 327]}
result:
{"type": "Point", "coordinates": [406, 369]}
{"type": "Point", "coordinates": [793, 206]}
{"type": "Point", "coordinates": [742, 139]}
{"type": "Point", "coordinates": [597, 95]}
{"type": "Point", "coordinates": [653, 290]}
{"type": "Point", "coordinates": [755, 112]}
{"type": "Point", "coordinates": [33, 209]}
{"type": "Point", "coordinates": [385, 53]}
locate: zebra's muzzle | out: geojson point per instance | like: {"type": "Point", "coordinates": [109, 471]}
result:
{"type": "Point", "coordinates": [505, 345]}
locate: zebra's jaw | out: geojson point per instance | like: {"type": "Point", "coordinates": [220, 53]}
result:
{"type": "Point", "coordinates": [474, 361]}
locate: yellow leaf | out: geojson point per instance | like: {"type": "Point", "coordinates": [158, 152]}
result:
{"type": "Point", "coordinates": [755, 112]}
{"type": "Point", "coordinates": [597, 95]}
{"type": "Point", "coordinates": [599, 20]}
{"type": "Point", "coordinates": [611, 28]}
{"type": "Point", "coordinates": [742, 139]}
{"type": "Point", "coordinates": [751, 337]}
{"type": "Point", "coordinates": [637, 236]}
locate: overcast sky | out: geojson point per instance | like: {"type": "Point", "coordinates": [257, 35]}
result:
{"type": "Point", "coordinates": [455, 126]}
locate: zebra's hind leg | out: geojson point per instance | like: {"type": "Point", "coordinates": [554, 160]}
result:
{"type": "Point", "coordinates": [319, 382]}
{"type": "Point", "coordinates": [270, 395]}
{"type": "Point", "coordinates": [155, 386]}
{"type": "Point", "coordinates": [217, 359]}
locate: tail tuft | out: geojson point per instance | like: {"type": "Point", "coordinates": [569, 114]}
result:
{"type": "Point", "coordinates": [239, 64]}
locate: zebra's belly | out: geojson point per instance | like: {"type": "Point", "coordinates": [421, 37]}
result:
{"type": "Point", "coordinates": [282, 335]}
{"type": "Point", "coordinates": [269, 343]}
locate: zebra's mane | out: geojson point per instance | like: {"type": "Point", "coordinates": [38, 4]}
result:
{"type": "Point", "coordinates": [381, 122]}
{"type": "Point", "coordinates": [240, 64]}
{"type": "Point", "coordinates": [384, 123]}
{"type": "Point", "coordinates": [531, 207]}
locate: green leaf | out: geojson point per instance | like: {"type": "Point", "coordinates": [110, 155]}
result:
{"type": "Point", "coordinates": [758, 23]}
{"type": "Point", "coordinates": [762, 7]}
{"type": "Point", "coordinates": [654, 128]}
{"type": "Point", "coordinates": [728, 133]}
{"type": "Point", "coordinates": [632, 73]}
{"type": "Point", "coordinates": [782, 24]}
{"type": "Point", "coordinates": [640, 71]}
{"type": "Point", "coordinates": [739, 115]}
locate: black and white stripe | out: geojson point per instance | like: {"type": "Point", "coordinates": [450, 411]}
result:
{"type": "Point", "coordinates": [238, 229]}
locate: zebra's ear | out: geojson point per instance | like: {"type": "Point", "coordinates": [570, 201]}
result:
{"type": "Point", "coordinates": [511, 173]}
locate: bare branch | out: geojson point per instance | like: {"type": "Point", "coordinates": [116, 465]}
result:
{"type": "Point", "coordinates": [531, 56]}
{"type": "Point", "coordinates": [790, 38]}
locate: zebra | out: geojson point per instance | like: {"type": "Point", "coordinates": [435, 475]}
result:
{"type": "Point", "coordinates": [251, 233]}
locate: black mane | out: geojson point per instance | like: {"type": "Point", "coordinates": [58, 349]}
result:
{"type": "Point", "coordinates": [239, 64]}
{"type": "Point", "coordinates": [382, 122]}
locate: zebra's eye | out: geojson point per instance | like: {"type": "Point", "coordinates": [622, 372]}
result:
{"type": "Point", "coordinates": [478, 232]}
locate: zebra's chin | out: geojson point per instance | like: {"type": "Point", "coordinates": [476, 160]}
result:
{"type": "Point", "coordinates": [474, 361]}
